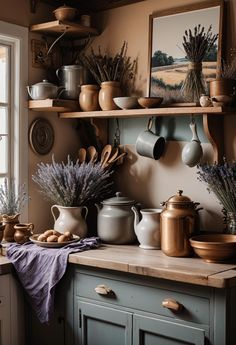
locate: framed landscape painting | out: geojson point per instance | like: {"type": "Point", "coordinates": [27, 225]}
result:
{"type": "Point", "coordinates": [168, 63]}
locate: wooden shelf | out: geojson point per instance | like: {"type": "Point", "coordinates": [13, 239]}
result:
{"type": "Point", "coordinates": [56, 27]}
{"type": "Point", "coordinates": [179, 111]}
{"type": "Point", "coordinates": [53, 105]}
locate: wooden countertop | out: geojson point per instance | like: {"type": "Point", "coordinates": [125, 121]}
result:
{"type": "Point", "coordinates": [154, 263]}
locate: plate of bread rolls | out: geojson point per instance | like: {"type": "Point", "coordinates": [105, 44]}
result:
{"type": "Point", "coordinates": [54, 239]}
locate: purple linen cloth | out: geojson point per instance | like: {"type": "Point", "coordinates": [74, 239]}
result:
{"type": "Point", "coordinates": [40, 269]}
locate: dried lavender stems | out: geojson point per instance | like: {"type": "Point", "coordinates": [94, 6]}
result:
{"type": "Point", "coordinates": [73, 184]}
{"type": "Point", "coordinates": [104, 67]}
{"type": "Point", "coordinates": [196, 46]}
{"type": "Point", "coordinates": [221, 180]}
{"type": "Point", "coordinates": [12, 200]}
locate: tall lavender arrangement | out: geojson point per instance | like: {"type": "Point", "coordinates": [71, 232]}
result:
{"type": "Point", "coordinates": [12, 198]}
{"type": "Point", "coordinates": [73, 184]}
{"type": "Point", "coordinates": [221, 180]}
{"type": "Point", "coordinates": [196, 44]}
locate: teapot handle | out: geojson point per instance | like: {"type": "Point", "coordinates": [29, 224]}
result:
{"type": "Point", "coordinates": [57, 73]}
{"type": "Point", "coordinates": [86, 211]}
{"type": "Point", "coordinates": [60, 89]}
{"type": "Point", "coordinates": [52, 211]}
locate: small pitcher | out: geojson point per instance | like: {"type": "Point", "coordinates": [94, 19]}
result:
{"type": "Point", "coordinates": [148, 229]}
{"type": "Point", "coordinates": [70, 219]}
{"type": "Point", "coordinates": [23, 231]}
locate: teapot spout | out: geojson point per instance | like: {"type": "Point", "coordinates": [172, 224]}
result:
{"type": "Point", "coordinates": [136, 217]}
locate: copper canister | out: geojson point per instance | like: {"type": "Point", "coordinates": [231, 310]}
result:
{"type": "Point", "coordinates": [178, 223]}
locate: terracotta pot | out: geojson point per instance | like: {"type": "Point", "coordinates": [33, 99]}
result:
{"type": "Point", "coordinates": [9, 222]}
{"type": "Point", "coordinates": [108, 91]}
{"type": "Point", "coordinates": [23, 231]}
{"type": "Point", "coordinates": [88, 98]}
{"type": "Point", "coordinates": [221, 86]}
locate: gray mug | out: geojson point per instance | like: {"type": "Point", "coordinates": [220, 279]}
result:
{"type": "Point", "coordinates": [149, 144]}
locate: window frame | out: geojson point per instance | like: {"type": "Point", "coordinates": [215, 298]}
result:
{"type": "Point", "coordinates": [17, 37]}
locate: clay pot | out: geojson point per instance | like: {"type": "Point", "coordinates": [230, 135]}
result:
{"type": "Point", "coordinates": [9, 222]}
{"type": "Point", "coordinates": [221, 86]}
{"type": "Point", "coordinates": [88, 98]}
{"type": "Point", "coordinates": [108, 91]}
{"type": "Point", "coordinates": [23, 231]}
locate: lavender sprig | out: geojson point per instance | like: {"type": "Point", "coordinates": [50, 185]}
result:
{"type": "Point", "coordinates": [12, 199]}
{"type": "Point", "coordinates": [221, 180]}
{"type": "Point", "coordinates": [73, 184]}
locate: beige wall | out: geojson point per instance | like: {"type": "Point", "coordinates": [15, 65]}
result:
{"type": "Point", "coordinates": [148, 181]}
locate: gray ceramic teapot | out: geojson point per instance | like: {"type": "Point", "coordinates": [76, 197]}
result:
{"type": "Point", "coordinates": [44, 90]}
{"type": "Point", "coordinates": [116, 220]}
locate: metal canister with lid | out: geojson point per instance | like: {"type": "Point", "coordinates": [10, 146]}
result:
{"type": "Point", "coordinates": [178, 223]}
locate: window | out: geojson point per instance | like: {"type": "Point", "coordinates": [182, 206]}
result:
{"type": "Point", "coordinates": [13, 105]}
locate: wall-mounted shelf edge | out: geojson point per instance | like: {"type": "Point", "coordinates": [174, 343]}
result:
{"type": "Point", "coordinates": [178, 111]}
{"type": "Point", "coordinates": [53, 105]}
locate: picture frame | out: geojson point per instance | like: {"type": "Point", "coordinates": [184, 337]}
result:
{"type": "Point", "coordinates": [167, 62]}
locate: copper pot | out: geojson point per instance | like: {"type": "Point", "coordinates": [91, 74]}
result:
{"type": "Point", "coordinates": [178, 224]}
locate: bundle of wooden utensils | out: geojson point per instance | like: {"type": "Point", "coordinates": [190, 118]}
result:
{"type": "Point", "coordinates": [108, 156]}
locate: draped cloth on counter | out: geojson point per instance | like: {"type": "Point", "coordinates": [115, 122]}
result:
{"type": "Point", "coordinates": [40, 269]}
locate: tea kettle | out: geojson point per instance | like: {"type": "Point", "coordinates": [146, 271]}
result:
{"type": "Point", "coordinates": [44, 90]}
{"type": "Point", "coordinates": [178, 224]}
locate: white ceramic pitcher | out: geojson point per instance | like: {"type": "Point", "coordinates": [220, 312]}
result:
{"type": "Point", "coordinates": [148, 229]}
{"type": "Point", "coordinates": [70, 219]}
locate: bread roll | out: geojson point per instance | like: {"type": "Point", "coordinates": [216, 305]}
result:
{"type": "Point", "coordinates": [52, 238]}
{"type": "Point", "coordinates": [42, 238]}
{"type": "Point", "coordinates": [48, 233]}
{"type": "Point", "coordinates": [69, 235]}
{"type": "Point", "coordinates": [63, 238]}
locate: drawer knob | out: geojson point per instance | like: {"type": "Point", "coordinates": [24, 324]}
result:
{"type": "Point", "coordinates": [172, 304]}
{"type": "Point", "coordinates": [103, 290]}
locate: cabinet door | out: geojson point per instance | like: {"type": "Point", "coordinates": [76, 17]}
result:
{"type": "Point", "coordinates": [152, 331]}
{"type": "Point", "coordinates": [95, 324]}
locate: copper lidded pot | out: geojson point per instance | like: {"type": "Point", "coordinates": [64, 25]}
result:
{"type": "Point", "coordinates": [178, 223]}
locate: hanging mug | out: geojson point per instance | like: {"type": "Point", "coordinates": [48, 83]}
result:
{"type": "Point", "coordinates": [149, 144]}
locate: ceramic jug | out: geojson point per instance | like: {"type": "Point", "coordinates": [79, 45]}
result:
{"type": "Point", "coordinates": [148, 229]}
{"type": "Point", "coordinates": [23, 231]}
{"type": "Point", "coordinates": [70, 219]}
{"type": "Point", "coordinates": [116, 220]}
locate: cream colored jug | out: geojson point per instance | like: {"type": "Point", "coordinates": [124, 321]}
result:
{"type": "Point", "coordinates": [71, 219]}
{"type": "Point", "coordinates": [148, 229]}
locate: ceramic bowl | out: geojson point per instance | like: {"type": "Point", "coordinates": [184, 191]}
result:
{"type": "Point", "coordinates": [65, 13]}
{"type": "Point", "coordinates": [126, 102]}
{"type": "Point", "coordinates": [214, 247]}
{"type": "Point", "coordinates": [150, 102]}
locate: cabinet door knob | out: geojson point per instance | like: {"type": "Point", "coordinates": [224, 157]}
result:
{"type": "Point", "coordinates": [103, 290]}
{"type": "Point", "coordinates": [172, 304]}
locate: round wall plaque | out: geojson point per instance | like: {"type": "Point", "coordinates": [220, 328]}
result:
{"type": "Point", "coordinates": [41, 136]}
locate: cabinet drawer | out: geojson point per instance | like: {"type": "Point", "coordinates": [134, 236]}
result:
{"type": "Point", "coordinates": [142, 296]}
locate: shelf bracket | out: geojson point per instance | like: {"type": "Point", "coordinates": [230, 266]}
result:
{"type": "Point", "coordinates": [214, 130]}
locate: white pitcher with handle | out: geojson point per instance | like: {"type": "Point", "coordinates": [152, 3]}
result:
{"type": "Point", "coordinates": [148, 229]}
{"type": "Point", "coordinates": [70, 219]}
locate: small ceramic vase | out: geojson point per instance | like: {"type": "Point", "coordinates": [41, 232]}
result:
{"type": "Point", "coordinates": [108, 91]}
{"type": "Point", "coordinates": [88, 98]}
{"type": "Point", "coordinates": [23, 231]}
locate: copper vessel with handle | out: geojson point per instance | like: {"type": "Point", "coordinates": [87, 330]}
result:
{"type": "Point", "coordinates": [178, 224]}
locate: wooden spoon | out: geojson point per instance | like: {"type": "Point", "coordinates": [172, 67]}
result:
{"type": "Point", "coordinates": [106, 152]}
{"type": "Point", "coordinates": [92, 154]}
{"type": "Point", "coordinates": [82, 155]}
{"type": "Point", "coordinates": [114, 154]}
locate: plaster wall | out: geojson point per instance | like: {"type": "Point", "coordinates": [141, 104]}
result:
{"type": "Point", "coordinates": [146, 180]}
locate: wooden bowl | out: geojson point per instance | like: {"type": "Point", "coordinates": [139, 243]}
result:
{"type": "Point", "coordinates": [214, 247]}
{"type": "Point", "coordinates": [150, 102]}
{"type": "Point", "coordinates": [65, 13]}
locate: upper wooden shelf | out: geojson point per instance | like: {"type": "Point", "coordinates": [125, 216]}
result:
{"type": "Point", "coordinates": [56, 27]}
{"type": "Point", "coordinates": [53, 105]}
{"type": "Point", "coordinates": [175, 111]}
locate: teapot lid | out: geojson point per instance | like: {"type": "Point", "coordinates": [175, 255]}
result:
{"type": "Point", "coordinates": [45, 82]}
{"type": "Point", "coordinates": [118, 200]}
{"type": "Point", "coordinates": [179, 198]}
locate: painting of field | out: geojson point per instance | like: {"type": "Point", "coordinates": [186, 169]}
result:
{"type": "Point", "coordinates": [166, 81]}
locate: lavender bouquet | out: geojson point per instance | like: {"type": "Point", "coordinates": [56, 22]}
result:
{"type": "Point", "coordinates": [12, 199]}
{"type": "Point", "coordinates": [221, 180]}
{"type": "Point", "coordinates": [72, 184]}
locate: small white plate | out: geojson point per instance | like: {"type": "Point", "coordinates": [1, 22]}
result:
{"type": "Point", "coordinates": [34, 239]}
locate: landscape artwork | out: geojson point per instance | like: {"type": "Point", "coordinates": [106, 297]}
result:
{"type": "Point", "coordinates": [168, 65]}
